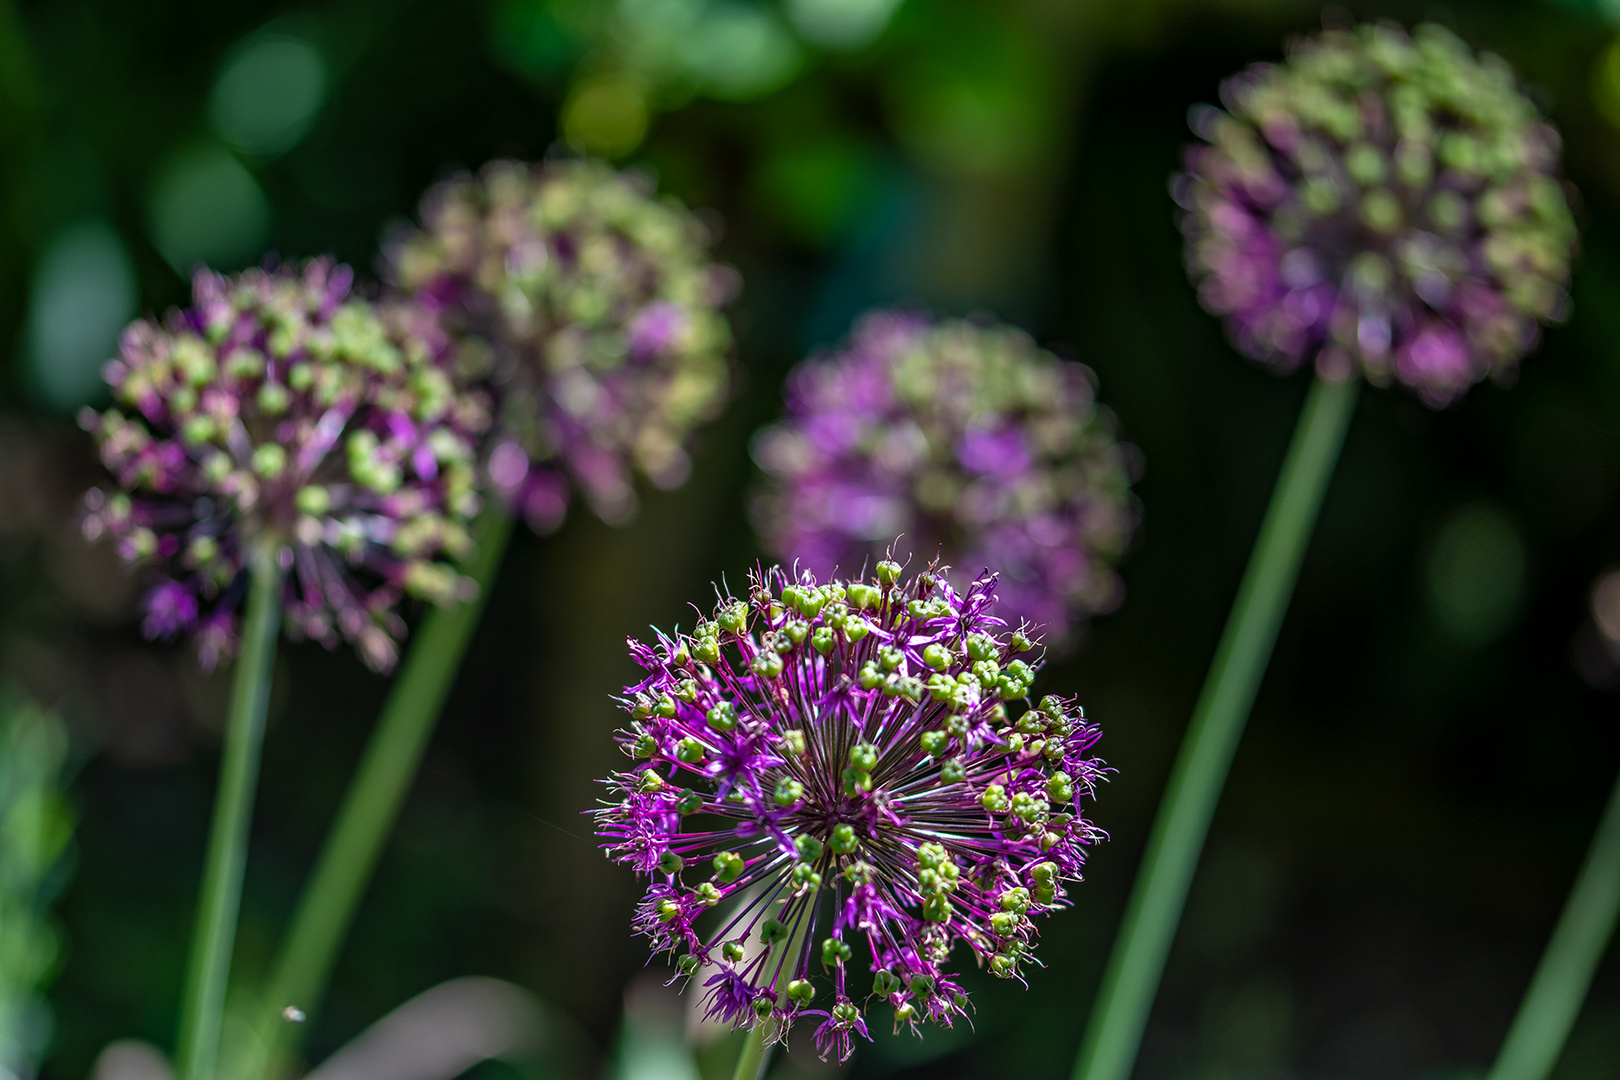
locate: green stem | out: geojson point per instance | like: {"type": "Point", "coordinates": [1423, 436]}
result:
{"type": "Point", "coordinates": [384, 775]}
{"type": "Point", "coordinates": [756, 1053]}
{"type": "Point", "coordinates": [1119, 1016]}
{"type": "Point", "coordinates": [1561, 980]}
{"type": "Point", "coordinates": [203, 1005]}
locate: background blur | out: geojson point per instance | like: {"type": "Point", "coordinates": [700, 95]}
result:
{"type": "Point", "coordinates": [1428, 755]}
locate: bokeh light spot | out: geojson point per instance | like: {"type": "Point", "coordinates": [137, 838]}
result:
{"type": "Point", "coordinates": [605, 115]}
{"type": "Point", "coordinates": [841, 24]}
{"type": "Point", "coordinates": [1475, 573]}
{"type": "Point", "coordinates": [268, 95]}
{"type": "Point", "coordinates": [740, 52]}
{"type": "Point", "coordinates": [205, 207]}
{"type": "Point", "coordinates": [83, 293]}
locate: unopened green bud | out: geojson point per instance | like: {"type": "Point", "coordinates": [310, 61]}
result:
{"type": "Point", "coordinates": [733, 617]}
{"type": "Point", "coordinates": [728, 867]}
{"type": "Point", "coordinates": [671, 863]}
{"type": "Point", "coordinates": [689, 751]}
{"type": "Point", "coordinates": [771, 931]}
{"type": "Point", "coordinates": [810, 848]}
{"type": "Point", "coordinates": [855, 629]}
{"type": "Point", "coordinates": [788, 792]}
{"type": "Point", "coordinates": [721, 716]}
{"type": "Point", "coordinates": [846, 1013]}
{"type": "Point", "coordinates": [269, 460]}
{"type": "Point", "coordinates": [690, 803]}
{"type": "Point", "coordinates": [687, 965]}
{"type": "Point", "coordinates": [793, 743]}
{"type": "Point", "coordinates": [824, 639]}
{"type": "Point", "coordinates": [668, 910]}
{"type": "Point", "coordinates": [933, 743]}
{"type": "Point", "coordinates": [864, 756]}
{"type": "Point", "coordinates": [645, 745]}
{"type": "Point", "coordinates": [884, 982]}
{"type": "Point", "coordinates": [888, 571]}
{"type": "Point", "coordinates": [766, 664]}
{"type": "Point", "coordinates": [733, 951]}
{"type": "Point", "coordinates": [801, 990]}
{"type": "Point", "coordinates": [843, 839]}
{"type": "Point", "coordinates": [952, 772]}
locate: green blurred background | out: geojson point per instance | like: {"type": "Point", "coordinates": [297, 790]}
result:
{"type": "Point", "coordinates": [1430, 750]}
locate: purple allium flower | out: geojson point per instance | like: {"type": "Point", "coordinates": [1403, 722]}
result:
{"type": "Point", "coordinates": [963, 441]}
{"type": "Point", "coordinates": [1379, 202]}
{"type": "Point", "coordinates": [853, 766]}
{"type": "Point", "coordinates": [280, 409]}
{"type": "Point", "coordinates": [595, 311]}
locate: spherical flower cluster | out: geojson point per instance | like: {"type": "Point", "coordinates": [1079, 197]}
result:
{"type": "Point", "coordinates": [959, 440]}
{"type": "Point", "coordinates": [593, 310]}
{"type": "Point", "coordinates": [1379, 202]}
{"type": "Point", "coordinates": [281, 410]}
{"type": "Point", "coordinates": [853, 766]}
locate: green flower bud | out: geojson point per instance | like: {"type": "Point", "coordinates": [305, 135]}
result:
{"type": "Point", "coordinates": [824, 640]}
{"type": "Point", "coordinates": [788, 792]}
{"type": "Point", "coordinates": [733, 951]}
{"type": "Point", "coordinates": [864, 756]}
{"type": "Point", "coordinates": [687, 965]}
{"type": "Point", "coordinates": [728, 867]}
{"type": "Point", "coordinates": [689, 751]}
{"type": "Point", "coordinates": [843, 840]}
{"type": "Point", "coordinates": [671, 863]}
{"type": "Point", "coordinates": [933, 743]}
{"type": "Point", "coordinates": [722, 717]}
{"type": "Point", "coordinates": [766, 665]}
{"type": "Point", "coordinates": [888, 571]}
{"type": "Point", "coordinates": [809, 847]}
{"type": "Point", "coordinates": [690, 803]}
{"type": "Point", "coordinates": [801, 990]}
{"type": "Point", "coordinates": [793, 743]}
{"type": "Point", "coordinates": [884, 982]}
{"type": "Point", "coordinates": [952, 772]}
{"type": "Point", "coordinates": [772, 932]}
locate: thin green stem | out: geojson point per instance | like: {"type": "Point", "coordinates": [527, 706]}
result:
{"type": "Point", "coordinates": [366, 817]}
{"type": "Point", "coordinates": [203, 1004]}
{"type": "Point", "coordinates": [1119, 1016]}
{"type": "Point", "coordinates": [1578, 941]}
{"type": "Point", "coordinates": [756, 1052]}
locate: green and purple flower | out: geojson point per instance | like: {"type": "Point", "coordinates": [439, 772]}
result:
{"type": "Point", "coordinates": [592, 310]}
{"type": "Point", "coordinates": [1381, 203]}
{"type": "Point", "coordinates": [279, 409]}
{"type": "Point", "coordinates": [836, 785]}
{"type": "Point", "coordinates": [957, 440]}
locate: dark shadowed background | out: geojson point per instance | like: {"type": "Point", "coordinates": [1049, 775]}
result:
{"type": "Point", "coordinates": [1439, 726]}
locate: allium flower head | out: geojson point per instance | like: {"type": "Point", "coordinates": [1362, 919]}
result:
{"type": "Point", "coordinates": [592, 308]}
{"type": "Point", "coordinates": [838, 784]}
{"type": "Point", "coordinates": [964, 441]}
{"type": "Point", "coordinates": [281, 410]}
{"type": "Point", "coordinates": [1379, 202]}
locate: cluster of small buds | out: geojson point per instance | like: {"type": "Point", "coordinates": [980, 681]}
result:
{"type": "Point", "coordinates": [281, 410]}
{"type": "Point", "coordinates": [822, 768]}
{"type": "Point", "coordinates": [1379, 202]}
{"type": "Point", "coordinates": [956, 440]}
{"type": "Point", "coordinates": [592, 309]}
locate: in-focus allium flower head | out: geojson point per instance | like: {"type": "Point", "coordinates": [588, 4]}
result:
{"type": "Point", "coordinates": [964, 441]}
{"type": "Point", "coordinates": [593, 310]}
{"type": "Point", "coordinates": [838, 784]}
{"type": "Point", "coordinates": [1381, 202]}
{"type": "Point", "coordinates": [281, 410]}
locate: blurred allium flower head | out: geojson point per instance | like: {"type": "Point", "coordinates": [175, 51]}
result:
{"type": "Point", "coordinates": [964, 441]}
{"type": "Point", "coordinates": [1379, 202]}
{"type": "Point", "coordinates": [826, 770]}
{"type": "Point", "coordinates": [593, 310]}
{"type": "Point", "coordinates": [281, 410]}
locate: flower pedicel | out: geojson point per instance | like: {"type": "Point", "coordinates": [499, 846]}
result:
{"type": "Point", "coordinates": [847, 770]}
{"type": "Point", "coordinates": [279, 409]}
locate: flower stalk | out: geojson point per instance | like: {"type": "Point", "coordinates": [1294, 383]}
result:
{"type": "Point", "coordinates": [371, 806]}
{"type": "Point", "coordinates": [1565, 972]}
{"type": "Point", "coordinates": [208, 970]}
{"type": "Point", "coordinates": [1160, 892]}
